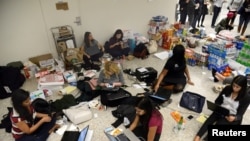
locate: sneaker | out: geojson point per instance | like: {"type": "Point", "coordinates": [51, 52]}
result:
{"type": "Point", "coordinates": [211, 78]}
{"type": "Point", "coordinates": [166, 103]}
{"type": "Point", "coordinates": [97, 63]}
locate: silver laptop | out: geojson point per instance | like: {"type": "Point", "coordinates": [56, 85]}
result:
{"type": "Point", "coordinates": [75, 135]}
{"type": "Point", "coordinates": [127, 135]}
{"type": "Point", "coordinates": [130, 135]}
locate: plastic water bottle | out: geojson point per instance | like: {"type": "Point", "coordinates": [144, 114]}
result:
{"type": "Point", "coordinates": [179, 126]}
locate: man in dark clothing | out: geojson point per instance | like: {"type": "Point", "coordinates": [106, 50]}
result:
{"type": "Point", "coordinates": [183, 11]}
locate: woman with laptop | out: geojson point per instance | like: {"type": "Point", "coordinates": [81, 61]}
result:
{"type": "Point", "coordinates": [233, 97]}
{"type": "Point", "coordinates": [148, 121]}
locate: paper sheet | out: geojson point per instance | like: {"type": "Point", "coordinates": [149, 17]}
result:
{"type": "Point", "coordinates": [89, 135]}
{"type": "Point", "coordinates": [61, 130]}
{"type": "Point", "coordinates": [202, 118]}
{"type": "Point", "coordinates": [162, 55]}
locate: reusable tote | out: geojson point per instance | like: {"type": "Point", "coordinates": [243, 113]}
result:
{"type": "Point", "coordinates": [192, 101]}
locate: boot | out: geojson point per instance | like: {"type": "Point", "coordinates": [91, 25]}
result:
{"type": "Point", "coordinates": [243, 31]}
{"type": "Point", "coordinates": [239, 28]}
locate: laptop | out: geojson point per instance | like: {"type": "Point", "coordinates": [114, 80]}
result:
{"type": "Point", "coordinates": [161, 95]}
{"type": "Point", "coordinates": [127, 135]}
{"type": "Point", "coordinates": [75, 135]}
{"type": "Point", "coordinates": [130, 135]}
{"type": "Point", "coordinates": [217, 108]}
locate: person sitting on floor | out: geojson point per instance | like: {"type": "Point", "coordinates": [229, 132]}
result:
{"type": "Point", "coordinates": [110, 78]}
{"type": "Point", "coordinates": [175, 73]}
{"type": "Point", "coordinates": [92, 50]}
{"type": "Point", "coordinates": [148, 122]}
{"type": "Point", "coordinates": [116, 46]}
{"type": "Point", "coordinates": [224, 23]}
{"type": "Point", "coordinates": [234, 97]}
{"type": "Point", "coordinates": [27, 124]}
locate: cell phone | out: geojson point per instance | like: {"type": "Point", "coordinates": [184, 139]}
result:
{"type": "Point", "coordinates": [190, 117]}
{"type": "Point", "coordinates": [110, 85]}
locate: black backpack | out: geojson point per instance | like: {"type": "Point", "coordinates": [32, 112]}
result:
{"type": "Point", "coordinates": [11, 79]}
{"type": "Point", "coordinates": [141, 51]}
{"type": "Point", "coordinates": [124, 110]}
{"type": "Point", "coordinates": [6, 122]}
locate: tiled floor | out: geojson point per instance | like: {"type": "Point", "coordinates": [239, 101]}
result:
{"type": "Point", "coordinates": [202, 86]}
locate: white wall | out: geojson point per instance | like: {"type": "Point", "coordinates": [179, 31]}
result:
{"type": "Point", "coordinates": [25, 24]}
{"type": "Point", "coordinates": [22, 32]}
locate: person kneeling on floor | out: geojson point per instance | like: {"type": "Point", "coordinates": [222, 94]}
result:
{"type": "Point", "coordinates": [224, 23]}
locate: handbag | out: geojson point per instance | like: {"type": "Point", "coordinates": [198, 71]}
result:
{"type": "Point", "coordinates": [192, 101]}
{"type": "Point", "coordinates": [117, 95]}
{"type": "Point", "coordinates": [78, 113]}
{"type": "Point", "coordinates": [153, 46]}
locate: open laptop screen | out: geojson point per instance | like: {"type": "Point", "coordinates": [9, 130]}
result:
{"type": "Point", "coordinates": [217, 108]}
{"type": "Point", "coordinates": [83, 133]}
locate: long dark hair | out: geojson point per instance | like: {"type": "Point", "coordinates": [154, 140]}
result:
{"type": "Point", "coordinates": [86, 39]}
{"type": "Point", "coordinates": [118, 31]}
{"type": "Point", "coordinates": [17, 98]}
{"type": "Point", "coordinates": [241, 81]}
{"type": "Point", "coordinates": [179, 55]}
{"type": "Point", "coordinates": [147, 105]}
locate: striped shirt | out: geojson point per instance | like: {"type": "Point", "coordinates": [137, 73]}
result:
{"type": "Point", "coordinates": [15, 118]}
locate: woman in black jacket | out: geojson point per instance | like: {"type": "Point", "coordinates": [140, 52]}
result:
{"type": "Point", "coordinates": [235, 98]}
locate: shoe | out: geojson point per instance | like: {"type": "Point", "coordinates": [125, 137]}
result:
{"type": "Point", "coordinates": [166, 103]}
{"type": "Point", "coordinates": [211, 78]}
{"type": "Point", "coordinates": [97, 63]}
{"type": "Point", "coordinates": [212, 26]}
{"type": "Point", "coordinates": [129, 71]}
{"type": "Point", "coordinates": [202, 26]}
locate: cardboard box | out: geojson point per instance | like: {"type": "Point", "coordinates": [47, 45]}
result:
{"type": "Point", "coordinates": [39, 58]}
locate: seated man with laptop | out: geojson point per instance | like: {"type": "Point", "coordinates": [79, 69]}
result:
{"type": "Point", "coordinates": [234, 97]}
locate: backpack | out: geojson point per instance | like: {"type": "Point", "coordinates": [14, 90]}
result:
{"type": "Point", "coordinates": [65, 102]}
{"type": "Point", "coordinates": [11, 79]}
{"type": "Point", "coordinates": [141, 51]}
{"type": "Point", "coordinates": [122, 111]}
{"type": "Point", "coordinates": [6, 122]}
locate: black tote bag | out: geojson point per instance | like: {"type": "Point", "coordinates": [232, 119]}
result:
{"type": "Point", "coordinates": [192, 101]}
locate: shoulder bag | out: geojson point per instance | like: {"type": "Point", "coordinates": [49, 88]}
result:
{"type": "Point", "coordinates": [192, 101]}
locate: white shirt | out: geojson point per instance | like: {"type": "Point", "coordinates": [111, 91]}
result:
{"type": "Point", "coordinates": [234, 5]}
{"type": "Point", "coordinates": [219, 3]}
{"type": "Point", "coordinates": [230, 104]}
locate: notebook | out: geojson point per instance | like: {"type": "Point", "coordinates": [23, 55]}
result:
{"type": "Point", "coordinates": [75, 135]}
{"type": "Point", "coordinates": [217, 108]}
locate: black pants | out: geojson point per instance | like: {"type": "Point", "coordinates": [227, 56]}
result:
{"type": "Point", "coordinates": [214, 118]}
{"type": "Point", "coordinates": [120, 53]}
{"type": "Point", "coordinates": [41, 134]}
{"type": "Point", "coordinates": [141, 132]}
{"type": "Point", "coordinates": [95, 57]}
{"type": "Point", "coordinates": [216, 14]}
{"type": "Point", "coordinates": [183, 17]}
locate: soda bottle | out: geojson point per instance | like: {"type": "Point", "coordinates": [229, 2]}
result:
{"type": "Point", "coordinates": [180, 123]}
